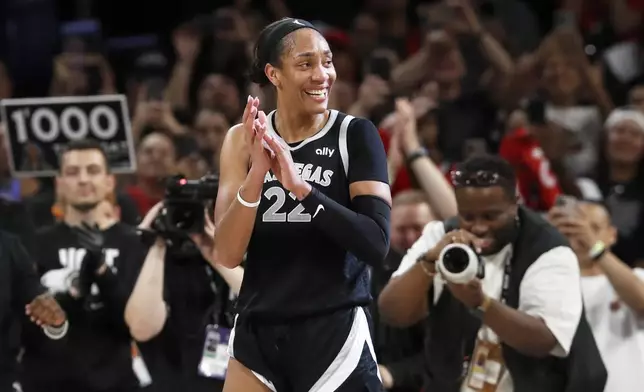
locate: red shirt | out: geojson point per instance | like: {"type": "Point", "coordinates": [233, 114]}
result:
{"type": "Point", "coordinates": [143, 202]}
{"type": "Point", "coordinates": [538, 186]}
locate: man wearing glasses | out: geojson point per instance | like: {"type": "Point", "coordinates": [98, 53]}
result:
{"type": "Point", "coordinates": [517, 328]}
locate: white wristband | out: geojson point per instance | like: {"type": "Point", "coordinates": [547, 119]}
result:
{"type": "Point", "coordinates": [245, 203]}
{"type": "Point", "coordinates": [56, 333]}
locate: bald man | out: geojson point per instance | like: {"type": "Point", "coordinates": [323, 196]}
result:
{"type": "Point", "coordinates": [613, 293]}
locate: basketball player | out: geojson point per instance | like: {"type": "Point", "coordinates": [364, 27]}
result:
{"type": "Point", "coordinates": [304, 191]}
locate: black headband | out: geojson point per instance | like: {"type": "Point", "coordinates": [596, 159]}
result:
{"type": "Point", "coordinates": [268, 43]}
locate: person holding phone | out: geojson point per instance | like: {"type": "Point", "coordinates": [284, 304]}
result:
{"type": "Point", "coordinates": [304, 194]}
{"type": "Point", "coordinates": [613, 293]}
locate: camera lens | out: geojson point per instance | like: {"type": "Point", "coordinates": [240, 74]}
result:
{"type": "Point", "coordinates": [456, 260]}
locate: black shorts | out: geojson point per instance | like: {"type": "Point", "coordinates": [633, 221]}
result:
{"type": "Point", "coordinates": [326, 353]}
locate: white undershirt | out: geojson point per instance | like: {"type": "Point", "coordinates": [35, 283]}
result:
{"type": "Point", "coordinates": [550, 288]}
{"type": "Point", "coordinates": [619, 334]}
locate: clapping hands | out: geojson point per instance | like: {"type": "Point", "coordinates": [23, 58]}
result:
{"type": "Point", "coordinates": [254, 124]}
{"type": "Point", "coordinates": [268, 151]}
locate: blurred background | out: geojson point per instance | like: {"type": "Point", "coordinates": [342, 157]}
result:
{"type": "Point", "coordinates": [534, 81]}
{"type": "Point", "coordinates": [553, 86]}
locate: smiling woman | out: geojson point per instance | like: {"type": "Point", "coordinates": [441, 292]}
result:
{"type": "Point", "coordinates": [304, 192]}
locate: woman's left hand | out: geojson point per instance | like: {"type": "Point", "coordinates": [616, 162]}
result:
{"type": "Point", "coordinates": [284, 169]}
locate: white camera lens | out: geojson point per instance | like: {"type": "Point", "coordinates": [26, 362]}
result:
{"type": "Point", "coordinates": [458, 263]}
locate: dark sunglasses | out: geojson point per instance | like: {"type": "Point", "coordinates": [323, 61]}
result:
{"type": "Point", "coordinates": [480, 178]}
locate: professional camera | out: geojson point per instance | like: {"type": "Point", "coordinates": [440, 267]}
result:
{"type": "Point", "coordinates": [458, 263]}
{"type": "Point", "coordinates": [184, 205]}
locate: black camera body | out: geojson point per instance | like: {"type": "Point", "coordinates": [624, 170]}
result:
{"type": "Point", "coordinates": [184, 207]}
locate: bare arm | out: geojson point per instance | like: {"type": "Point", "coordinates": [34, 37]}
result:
{"type": "Point", "coordinates": [146, 311]}
{"type": "Point", "coordinates": [629, 287]}
{"type": "Point", "coordinates": [494, 52]}
{"type": "Point", "coordinates": [186, 44]}
{"type": "Point", "coordinates": [233, 277]}
{"type": "Point", "coordinates": [527, 334]}
{"type": "Point", "coordinates": [410, 72]}
{"type": "Point", "coordinates": [502, 66]}
{"type": "Point", "coordinates": [233, 220]}
{"type": "Point", "coordinates": [178, 85]}
{"type": "Point", "coordinates": [550, 307]}
{"type": "Point", "coordinates": [431, 179]}
{"type": "Point", "coordinates": [403, 301]}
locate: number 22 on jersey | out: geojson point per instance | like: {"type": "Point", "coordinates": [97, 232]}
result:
{"type": "Point", "coordinates": [276, 213]}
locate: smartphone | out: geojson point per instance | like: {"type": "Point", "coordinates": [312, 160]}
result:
{"type": "Point", "coordinates": [380, 66]}
{"type": "Point", "coordinates": [568, 204]}
{"type": "Point", "coordinates": [155, 89]}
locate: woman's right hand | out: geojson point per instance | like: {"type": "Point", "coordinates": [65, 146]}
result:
{"type": "Point", "coordinates": [453, 237]}
{"type": "Point", "coordinates": [254, 123]}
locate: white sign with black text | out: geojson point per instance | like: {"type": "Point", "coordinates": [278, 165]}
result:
{"type": "Point", "coordinates": [38, 130]}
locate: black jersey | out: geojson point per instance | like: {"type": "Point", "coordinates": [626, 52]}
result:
{"type": "Point", "coordinates": [292, 268]}
{"type": "Point", "coordinates": [95, 353]}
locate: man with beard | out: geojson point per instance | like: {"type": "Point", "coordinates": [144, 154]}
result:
{"type": "Point", "coordinates": [85, 261]}
{"type": "Point", "coordinates": [520, 326]}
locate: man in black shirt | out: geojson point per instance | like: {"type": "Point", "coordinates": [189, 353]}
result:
{"type": "Point", "coordinates": [84, 260]}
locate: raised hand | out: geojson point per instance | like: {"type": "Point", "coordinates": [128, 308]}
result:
{"type": "Point", "coordinates": [284, 169]}
{"type": "Point", "coordinates": [187, 44]}
{"type": "Point", "coordinates": [254, 123]}
{"type": "Point", "coordinates": [92, 239]}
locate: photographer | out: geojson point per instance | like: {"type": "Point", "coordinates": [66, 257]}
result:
{"type": "Point", "coordinates": [84, 261]}
{"type": "Point", "coordinates": [181, 321]}
{"type": "Point", "coordinates": [517, 323]}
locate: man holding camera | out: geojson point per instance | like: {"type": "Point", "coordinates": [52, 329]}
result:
{"type": "Point", "coordinates": [85, 261]}
{"type": "Point", "coordinates": [516, 324]}
{"type": "Point", "coordinates": [179, 308]}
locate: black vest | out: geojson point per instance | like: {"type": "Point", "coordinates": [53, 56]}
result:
{"type": "Point", "coordinates": [452, 330]}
